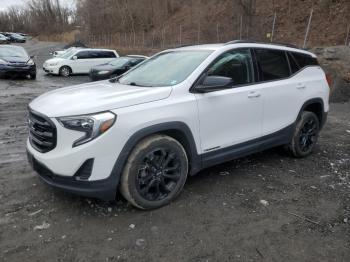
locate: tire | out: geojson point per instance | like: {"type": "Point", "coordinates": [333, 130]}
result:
{"type": "Point", "coordinates": [32, 76]}
{"type": "Point", "coordinates": [155, 172]}
{"type": "Point", "coordinates": [305, 135]}
{"type": "Point", "coordinates": [65, 71]}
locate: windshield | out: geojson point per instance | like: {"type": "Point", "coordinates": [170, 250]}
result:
{"type": "Point", "coordinates": [119, 61]}
{"type": "Point", "coordinates": [13, 52]}
{"type": "Point", "coordinates": [67, 54]}
{"type": "Point", "coordinates": [17, 35]}
{"type": "Point", "coordinates": [165, 69]}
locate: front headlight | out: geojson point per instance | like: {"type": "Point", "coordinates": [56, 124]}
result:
{"type": "Point", "coordinates": [103, 72]}
{"type": "Point", "coordinates": [30, 62]}
{"type": "Point", "coordinates": [92, 125]}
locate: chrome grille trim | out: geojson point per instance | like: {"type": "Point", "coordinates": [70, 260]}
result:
{"type": "Point", "coordinates": [42, 132]}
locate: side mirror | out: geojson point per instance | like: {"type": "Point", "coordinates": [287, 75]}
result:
{"type": "Point", "coordinates": [75, 57]}
{"type": "Point", "coordinates": [32, 56]}
{"type": "Point", "coordinates": [214, 83]}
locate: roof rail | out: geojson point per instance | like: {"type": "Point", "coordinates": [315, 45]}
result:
{"type": "Point", "coordinates": [257, 42]}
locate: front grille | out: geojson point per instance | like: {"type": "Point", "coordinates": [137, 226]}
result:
{"type": "Point", "coordinates": [42, 132]}
{"type": "Point", "coordinates": [18, 64]}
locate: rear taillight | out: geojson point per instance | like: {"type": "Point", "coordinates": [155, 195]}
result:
{"type": "Point", "coordinates": [329, 80]}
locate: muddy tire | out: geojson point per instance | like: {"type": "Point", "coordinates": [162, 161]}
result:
{"type": "Point", "coordinates": [65, 71]}
{"type": "Point", "coordinates": [305, 135]}
{"type": "Point", "coordinates": [155, 172]}
{"type": "Point", "coordinates": [32, 76]}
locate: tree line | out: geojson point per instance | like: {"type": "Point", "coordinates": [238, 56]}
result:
{"type": "Point", "coordinates": [37, 17]}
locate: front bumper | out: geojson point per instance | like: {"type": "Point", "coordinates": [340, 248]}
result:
{"type": "Point", "coordinates": [51, 69]}
{"type": "Point", "coordinates": [102, 189]}
{"type": "Point", "coordinates": [21, 70]}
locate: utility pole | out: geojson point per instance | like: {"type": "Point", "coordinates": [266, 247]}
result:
{"type": "Point", "coordinates": [308, 28]}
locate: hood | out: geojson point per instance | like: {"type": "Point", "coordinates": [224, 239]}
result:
{"type": "Point", "coordinates": [95, 97]}
{"type": "Point", "coordinates": [15, 59]}
{"type": "Point", "coordinates": [54, 60]}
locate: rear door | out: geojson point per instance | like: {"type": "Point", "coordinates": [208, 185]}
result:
{"type": "Point", "coordinates": [282, 93]}
{"type": "Point", "coordinates": [104, 56]}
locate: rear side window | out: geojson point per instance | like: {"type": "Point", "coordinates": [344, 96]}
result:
{"type": "Point", "coordinates": [294, 67]}
{"type": "Point", "coordinates": [272, 64]}
{"type": "Point", "coordinates": [105, 54]}
{"type": "Point", "coordinates": [84, 55]}
{"type": "Point", "coordinates": [304, 60]}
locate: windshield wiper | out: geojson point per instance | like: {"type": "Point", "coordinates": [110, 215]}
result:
{"type": "Point", "coordinates": [114, 79]}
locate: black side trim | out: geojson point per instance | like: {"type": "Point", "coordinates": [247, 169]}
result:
{"type": "Point", "coordinates": [236, 151]}
{"type": "Point", "coordinates": [188, 143]}
{"type": "Point", "coordinates": [319, 101]}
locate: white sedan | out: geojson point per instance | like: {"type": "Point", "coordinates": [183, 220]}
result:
{"type": "Point", "coordinates": [78, 61]}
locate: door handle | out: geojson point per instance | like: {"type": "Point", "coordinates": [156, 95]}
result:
{"type": "Point", "coordinates": [254, 95]}
{"type": "Point", "coordinates": [301, 86]}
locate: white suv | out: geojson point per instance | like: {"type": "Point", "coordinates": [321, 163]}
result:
{"type": "Point", "coordinates": [175, 114]}
{"type": "Point", "coordinates": [78, 61]}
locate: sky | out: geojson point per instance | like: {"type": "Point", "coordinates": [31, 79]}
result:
{"type": "Point", "coordinates": [6, 3]}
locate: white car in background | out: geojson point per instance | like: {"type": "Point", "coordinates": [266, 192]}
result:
{"type": "Point", "coordinates": [59, 53]}
{"type": "Point", "coordinates": [78, 61]}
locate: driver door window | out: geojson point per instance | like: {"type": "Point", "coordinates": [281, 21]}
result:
{"type": "Point", "coordinates": [236, 64]}
{"type": "Point", "coordinates": [240, 110]}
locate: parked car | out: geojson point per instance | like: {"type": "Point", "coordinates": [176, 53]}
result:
{"type": "Point", "coordinates": [115, 67]}
{"type": "Point", "coordinates": [24, 35]}
{"type": "Point", "coordinates": [178, 112]}
{"type": "Point", "coordinates": [14, 60]}
{"type": "Point", "coordinates": [15, 38]}
{"type": "Point", "coordinates": [78, 61]}
{"type": "Point", "coordinates": [59, 53]}
{"type": "Point", "coordinates": [4, 39]}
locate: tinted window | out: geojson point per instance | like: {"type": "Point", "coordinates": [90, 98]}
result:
{"type": "Point", "coordinates": [273, 64]}
{"type": "Point", "coordinates": [294, 67]}
{"type": "Point", "coordinates": [104, 54]}
{"type": "Point", "coordinates": [85, 55]}
{"type": "Point", "coordinates": [304, 60]}
{"type": "Point", "coordinates": [119, 62]}
{"type": "Point", "coordinates": [236, 64]}
{"type": "Point", "coordinates": [135, 62]}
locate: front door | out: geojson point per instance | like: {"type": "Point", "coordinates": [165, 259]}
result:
{"type": "Point", "coordinates": [233, 115]}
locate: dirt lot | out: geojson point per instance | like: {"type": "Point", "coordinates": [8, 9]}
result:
{"type": "Point", "coordinates": [266, 207]}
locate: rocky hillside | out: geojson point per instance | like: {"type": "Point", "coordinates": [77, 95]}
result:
{"type": "Point", "coordinates": [336, 62]}
{"type": "Point", "coordinates": [203, 21]}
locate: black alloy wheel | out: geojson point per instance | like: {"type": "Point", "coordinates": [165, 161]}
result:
{"type": "Point", "coordinates": [305, 135]}
{"type": "Point", "coordinates": [155, 172]}
{"type": "Point", "coordinates": [159, 174]}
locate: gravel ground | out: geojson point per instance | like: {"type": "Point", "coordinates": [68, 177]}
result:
{"type": "Point", "coordinates": [265, 207]}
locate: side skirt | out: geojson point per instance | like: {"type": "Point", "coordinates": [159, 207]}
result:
{"type": "Point", "coordinates": [278, 138]}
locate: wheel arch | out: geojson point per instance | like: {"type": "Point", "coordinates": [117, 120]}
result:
{"type": "Point", "coordinates": [177, 130]}
{"type": "Point", "coordinates": [70, 68]}
{"type": "Point", "coordinates": [315, 105]}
